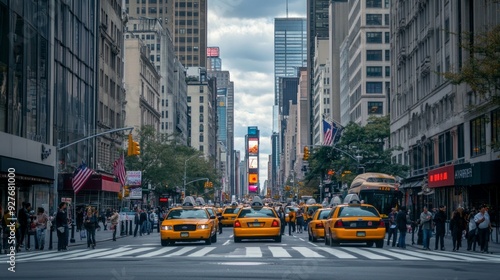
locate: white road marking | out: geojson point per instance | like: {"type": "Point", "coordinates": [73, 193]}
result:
{"type": "Point", "coordinates": [202, 252]}
{"type": "Point", "coordinates": [158, 252]}
{"type": "Point", "coordinates": [253, 252]}
{"type": "Point", "coordinates": [306, 252]}
{"type": "Point", "coordinates": [338, 253]}
{"type": "Point", "coordinates": [368, 254]}
{"type": "Point", "coordinates": [279, 252]}
{"type": "Point", "coordinates": [426, 255]}
{"type": "Point", "coordinates": [181, 251]}
{"type": "Point", "coordinates": [400, 255]}
{"type": "Point", "coordinates": [128, 252]}
{"type": "Point", "coordinates": [92, 255]}
{"type": "Point", "coordinates": [225, 243]}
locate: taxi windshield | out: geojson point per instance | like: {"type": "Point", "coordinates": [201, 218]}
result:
{"type": "Point", "coordinates": [323, 215]}
{"type": "Point", "coordinates": [210, 211]}
{"type": "Point", "coordinates": [257, 213]}
{"type": "Point", "coordinates": [312, 209]}
{"type": "Point", "coordinates": [287, 210]}
{"type": "Point", "coordinates": [358, 211]}
{"type": "Point", "coordinates": [187, 214]}
{"type": "Point", "coordinates": [231, 210]}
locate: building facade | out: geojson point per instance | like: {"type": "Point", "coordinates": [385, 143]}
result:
{"type": "Point", "coordinates": [185, 19]}
{"type": "Point", "coordinates": [321, 94]}
{"type": "Point", "coordinates": [446, 143]}
{"type": "Point", "coordinates": [142, 84]}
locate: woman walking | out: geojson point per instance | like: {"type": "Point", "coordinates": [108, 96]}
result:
{"type": "Point", "coordinates": [90, 222]}
{"type": "Point", "coordinates": [457, 226]}
{"type": "Point", "coordinates": [41, 225]}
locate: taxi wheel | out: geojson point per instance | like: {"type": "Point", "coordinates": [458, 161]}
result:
{"type": "Point", "coordinates": [208, 241]}
{"type": "Point", "coordinates": [379, 243]}
{"type": "Point", "coordinates": [314, 239]}
{"type": "Point", "coordinates": [327, 239]}
{"type": "Point", "coordinates": [214, 238]}
{"type": "Point", "coordinates": [278, 239]}
{"type": "Point", "coordinates": [309, 234]}
{"type": "Point", "coordinates": [164, 242]}
{"type": "Point", "coordinates": [237, 239]}
{"type": "Point", "coordinates": [333, 242]}
{"type": "Point", "coordinates": [369, 244]}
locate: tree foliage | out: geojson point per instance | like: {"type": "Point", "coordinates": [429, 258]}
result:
{"type": "Point", "coordinates": [361, 148]}
{"type": "Point", "coordinates": [481, 71]}
{"type": "Point", "coordinates": [162, 164]}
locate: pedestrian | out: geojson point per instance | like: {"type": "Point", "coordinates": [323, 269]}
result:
{"type": "Point", "coordinates": [473, 232]}
{"type": "Point", "coordinates": [23, 219]}
{"type": "Point", "coordinates": [393, 231]}
{"type": "Point", "coordinates": [41, 224]}
{"type": "Point", "coordinates": [281, 213]}
{"type": "Point", "coordinates": [401, 222]}
{"type": "Point", "coordinates": [291, 221]}
{"type": "Point", "coordinates": [482, 220]}
{"type": "Point", "coordinates": [300, 220]}
{"type": "Point", "coordinates": [144, 222]}
{"type": "Point", "coordinates": [62, 227]}
{"type": "Point", "coordinates": [113, 220]}
{"type": "Point", "coordinates": [91, 222]}
{"type": "Point", "coordinates": [79, 219]}
{"type": "Point", "coordinates": [137, 221]}
{"type": "Point", "coordinates": [440, 223]}
{"type": "Point", "coordinates": [425, 222]}
{"type": "Point", "coordinates": [457, 226]}
{"type": "Point", "coordinates": [219, 220]}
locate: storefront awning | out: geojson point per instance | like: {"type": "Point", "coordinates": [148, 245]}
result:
{"type": "Point", "coordinates": [97, 182]}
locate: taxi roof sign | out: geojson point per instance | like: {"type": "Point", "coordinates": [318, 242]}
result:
{"type": "Point", "coordinates": [336, 201]}
{"type": "Point", "coordinates": [257, 202]}
{"type": "Point", "coordinates": [189, 202]}
{"type": "Point", "coordinates": [311, 201]}
{"type": "Point", "coordinates": [200, 201]}
{"type": "Point", "coordinates": [352, 198]}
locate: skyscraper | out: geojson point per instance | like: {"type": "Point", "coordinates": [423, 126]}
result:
{"type": "Point", "coordinates": [185, 19]}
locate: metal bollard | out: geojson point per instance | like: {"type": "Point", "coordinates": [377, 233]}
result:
{"type": "Point", "coordinates": [130, 232]}
{"type": "Point", "coordinates": [72, 240]}
{"type": "Point", "coordinates": [50, 237]}
{"type": "Point", "coordinates": [126, 227]}
{"type": "Point", "coordinates": [122, 229]}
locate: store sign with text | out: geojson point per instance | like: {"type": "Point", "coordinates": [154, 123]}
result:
{"type": "Point", "coordinates": [442, 176]}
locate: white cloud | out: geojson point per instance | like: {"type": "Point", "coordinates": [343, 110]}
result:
{"type": "Point", "coordinates": [244, 32]}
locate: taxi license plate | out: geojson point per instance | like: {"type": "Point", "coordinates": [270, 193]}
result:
{"type": "Point", "coordinates": [256, 224]}
{"type": "Point", "coordinates": [352, 224]}
{"type": "Point", "coordinates": [360, 234]}
{"type": "Point", "coordinates": [184, 234]}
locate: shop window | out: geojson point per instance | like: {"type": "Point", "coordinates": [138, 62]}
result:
{"type": "Point", "coordinates": [478, 136]}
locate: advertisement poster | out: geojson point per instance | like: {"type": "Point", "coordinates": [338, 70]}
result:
{"type": "Point", "coordinates": [253, 162]}
{"type": "Point", "coordinates": [253, 178]}
{"type": "Point", "coordinates": [135, 193]}
{"type": "Point", "coordinates": [134, 178]}
{"type": "Point", "coordinates": [252, 188]}
{"type": "Point", "coordinates": [253, 146]}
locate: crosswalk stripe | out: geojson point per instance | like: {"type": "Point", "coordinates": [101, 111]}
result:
{"type": "Point", "coordinates": [92, 254]}
{"type": "Point", "coordinates": [76, 254]}
{"type": "Point", "coordinates": [368, 254]}
{"type": "Point", "coordinates": [459, 256]}
{"type": "Point", "coordinates": [338, 253]}
{"type": "Point", "coordinates": [137, 250]}
{"type": "Point", "coordinates": [306, 252]}
{"type": "Point", "coordinates": [157, 252]}
{"type": "Point", "coordinates": [202, 252]}
{"type": "Point", "coordinates": [50, 255]}
{"type": "Point", "coordinates": [396, 255]}
{"type": "Point", "coordinates": [181, 251]}
{"type": "Point", "coordinates": [279, 252]}
{"type": "Point", "coordinates": [253, 252]}
{"type": "Point", "coordinates": [426, 256]}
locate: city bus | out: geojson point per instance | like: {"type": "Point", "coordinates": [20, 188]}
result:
{"type": "Point", "coordinates": [378, 189]}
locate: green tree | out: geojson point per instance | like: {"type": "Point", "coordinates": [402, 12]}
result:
{"type": "Point", "coordinates": [361, 148]}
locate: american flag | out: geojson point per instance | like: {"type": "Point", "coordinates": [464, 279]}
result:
{"type": "Point", "coordinates": [80, 177]}
{"type": "Point", "coordinates": [327, 134]}
{"type": "Point", "coordinates": [119, 170]}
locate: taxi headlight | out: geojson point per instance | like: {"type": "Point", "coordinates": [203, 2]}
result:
{"type": "Point", "coordinates": [166, 227]}
{"type": "Point", "coordinates": [202, 226]}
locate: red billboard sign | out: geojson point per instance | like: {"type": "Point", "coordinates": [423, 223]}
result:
{"type": "Point", "coordinates": [252, 188]}
{"type": "Point", "coordinates": [443, 176]}
{"type": "Point", "coordinates": [213, 52]}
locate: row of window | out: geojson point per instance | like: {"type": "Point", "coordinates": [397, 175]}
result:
{"type": "Point", "coordinates": [376, 37]}
{"type": "Point", "coordinates": [377, 3]}
{"type": "Point", "coordinates": [187, 40]}
{"type": "Point", "coordinates": [376, 19]}
{"type": "Point", "coordinates": [376, 71]}
{"type": "Point", "coordinates": [376, 55]}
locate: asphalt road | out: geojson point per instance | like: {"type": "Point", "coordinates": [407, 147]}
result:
{"type": "Point", "coordinates": [294, 258]}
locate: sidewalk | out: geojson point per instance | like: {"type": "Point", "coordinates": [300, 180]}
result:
{"type": "Point", "coordinates": [493, 247]}
{"type": "Point", "coordinates": [100, 236]}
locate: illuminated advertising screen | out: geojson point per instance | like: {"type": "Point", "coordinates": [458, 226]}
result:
{"type": "Point", "coordinates": [252, 188]}
{"type": "Point", "coordinates": [253, 178]}
{"type": "Point", "coordinates": [213, 51]}
{"type": "Point", "coordinates": [253, 162]}
{"type": "Point", "coordinates": [253, 146]}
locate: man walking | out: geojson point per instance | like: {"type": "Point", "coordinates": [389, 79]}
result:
{"type": "Point", "coordinates": [482, 220]}
{"type": "Point", "coordinates": [401, 222]}
{"type": "Point", "coordinates": [62, 227]}
{"type": "Point", "coordinates": [440, 225]}
{"type": "Point", "coordinates": [393, 231]}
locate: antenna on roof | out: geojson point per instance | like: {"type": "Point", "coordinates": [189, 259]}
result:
{"type": "Point", "coordinates": [287, 8]}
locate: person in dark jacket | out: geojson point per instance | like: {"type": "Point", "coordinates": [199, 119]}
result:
{"type": "Point", "coordinates": [401, 222]}
{"type": "Point", "coordinates": [440, 226]}
{"type": "Point", "coordinates": [457, 226]}
{"type": "Point", "coordinates": [62, 227]}
{"type": "Point", "coordinates": [137, 221]}
{"type": "Point", "coordinates": [144, 222]}
{"type": "Point", "coordinates": [91, 222]}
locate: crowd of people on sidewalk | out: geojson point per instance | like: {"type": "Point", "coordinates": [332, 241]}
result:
{"type": "Point", "coordinates": [473, 226]}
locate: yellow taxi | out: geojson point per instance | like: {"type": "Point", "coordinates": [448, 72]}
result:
{"type": "Point", "coordinates": [354, 222]}
{"type": "Point", "coordinates": [188, 223]}
{"type": "Point", "coordinates": [316, 227]}
{"type": "Point", "coordinates": [257, 222]}
{"type": "Point", "coordinates": [229, 214]}
{"type": "Point", "coordinates": [212, 211]}
{"type": "Point", "coordinates": [309, 209]}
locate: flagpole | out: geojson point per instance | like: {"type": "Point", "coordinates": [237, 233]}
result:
{"type": "Point", "coordinates": [72, 240]}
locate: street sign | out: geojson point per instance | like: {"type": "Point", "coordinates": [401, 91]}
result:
{"type": "Point", "coordinates": [66, 199]}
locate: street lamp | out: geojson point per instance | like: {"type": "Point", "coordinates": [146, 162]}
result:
{"type": "Point", "coordinates": [185, 170]}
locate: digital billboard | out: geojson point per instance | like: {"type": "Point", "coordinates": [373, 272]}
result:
{"type": "Point", "coordinates": [253, 188]}
{"type": "Point", "coordinates": [213, 52]}
{"type": "Point", "coordinates": [253, 162]}
{"type": "Point", "coordinates": [253, 146]}
{"type": "Point", "coordinates": [253, 178]}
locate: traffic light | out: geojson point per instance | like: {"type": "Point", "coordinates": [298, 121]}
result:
{"type": "Point", "coordinates": [126, 191]}
{"type": "Point", "coordinates": [306, 153]}
{"type": "Point", "coordinates": [133, 147]}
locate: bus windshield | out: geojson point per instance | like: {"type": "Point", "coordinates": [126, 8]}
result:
{"type": "Point", "coordinates": [383, 201]}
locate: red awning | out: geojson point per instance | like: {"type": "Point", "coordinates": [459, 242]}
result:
{"type": "Point", "coordinates": [97, 182]}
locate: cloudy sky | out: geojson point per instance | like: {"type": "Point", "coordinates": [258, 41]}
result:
{"type": "Point", "coordinates": [243, 30]}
